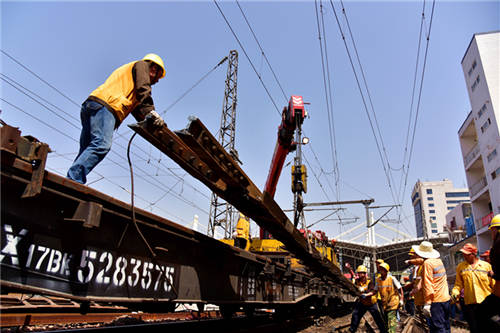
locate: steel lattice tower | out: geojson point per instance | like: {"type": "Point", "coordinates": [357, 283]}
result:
{"type": "Point", "coordinates": [221, 213]}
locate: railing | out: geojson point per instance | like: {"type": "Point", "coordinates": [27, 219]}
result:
{"type": "Point", "coordinates": [471, 155]}
{"type": "Point", "coordinates": [474, 189]}
{"type": "Point", "coordinates": [485, 220]}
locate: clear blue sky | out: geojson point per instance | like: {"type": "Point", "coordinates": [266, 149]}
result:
{"type": "Point", "coordinates": [76, 45]}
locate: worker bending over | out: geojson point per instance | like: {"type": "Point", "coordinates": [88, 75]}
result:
{"type": "Point", "coordinates": [391, 296]}
{"type": "Point", "coordinates": [434, 288]}
{"type": "Point", "coordinates": [365, 302]}
{"type": "Point", "coordinates": [473, 276]}
{"type": "Point", "coordinates": [127, 90]}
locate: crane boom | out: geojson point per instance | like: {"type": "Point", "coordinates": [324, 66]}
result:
{"type": "Point", "coordinates": [292, 118]}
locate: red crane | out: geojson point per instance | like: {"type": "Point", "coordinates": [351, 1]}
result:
{"type": "Point", "coordinates": [292, 118]}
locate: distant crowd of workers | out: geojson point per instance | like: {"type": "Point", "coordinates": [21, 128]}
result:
{"type": "Point", "coordinates": [425, 291]}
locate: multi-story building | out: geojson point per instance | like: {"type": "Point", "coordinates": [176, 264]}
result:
{"type": "Point", "coordinates": [431, 202]}
{"type": "Point", "coordinates": [479, 134]}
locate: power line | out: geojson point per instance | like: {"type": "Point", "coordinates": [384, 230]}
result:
{"type": "Point", "coordinates": [328, 94]}
{"type": "Point", "coordinates": [248, 58]}
{"type": "Point", "coordinates": [262, 51]}
{"type": "Point", "coordinates": [386, 171]}
{"type": "Point", "coordinates": [419, 98]}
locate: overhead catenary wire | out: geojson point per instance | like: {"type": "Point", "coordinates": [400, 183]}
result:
{"type": "Point", "coordinates": [386, 171]}
{"type": "Point", "coordinates": [418, 100]}
{"type": "Point", "coordinates": [248, 58]}
{"type": "Point", "coordinates": [262, 51]}
{"type": "Point", "coordinates": [328, 94]}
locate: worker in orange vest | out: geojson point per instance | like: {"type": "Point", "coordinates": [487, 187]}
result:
{"type": "Point", "coordinates": [488, 312]}
{"type": "Point", "coordinates": [473, 276]}
{"type": "Point", "coordinates": [365, 302]}
{"type": "Point", "coordinates": [127, 90]}
{"type": "Point", "coordinates": [434, 288]}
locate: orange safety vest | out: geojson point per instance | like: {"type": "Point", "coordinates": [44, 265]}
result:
{"type": "Point", "coordinates": [118, 92]}
{"type": "Point", "coordinates": [363, 287]}
{"type": "Point", "coordinates": [388, 293]}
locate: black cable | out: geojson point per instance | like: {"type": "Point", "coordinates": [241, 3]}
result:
{"type": "Point", "coordinates": [248, 58]}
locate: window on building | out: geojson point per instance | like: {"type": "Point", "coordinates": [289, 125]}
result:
{"type": "Point", "coordinates": [481, 111]}
{"type": "Point", "coordinates": [485, 126]}
{"type": "Point", "coordinates": [431, 205]}
{"type": "Point", "coordinates": [471, 69]}
{"type": "Point", "coordinates": [434, 225]}
{"type": "Point", "coordinates": [495, 173]}
{"type": "Point", "coordinates": [476, 82]}
{"type": "Point", "coordinates": [433, 218]}
{"type": "Point", "coordinates": [434, 231]}
{"type": "Point", "coordinates": [450, 208]}
{"type": "Point", "coordinates": [430, 198]}
{"type": "Point", "coordinates": [492, 155]}
{"type": "Point", "coordinates": [429, 191]}
{"type": "Point", "coordinates": [451, 202]}
{"type": "Point", "coordinates": [432, 211]}
{"type": "Point", "coordinates": [456, 194]}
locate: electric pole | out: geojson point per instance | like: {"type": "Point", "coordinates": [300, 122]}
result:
{"type": "Point", "coordinates": [221, 213]}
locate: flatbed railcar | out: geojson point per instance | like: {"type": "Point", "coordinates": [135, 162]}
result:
{"type": "Point", "coordinates": [65, 239]}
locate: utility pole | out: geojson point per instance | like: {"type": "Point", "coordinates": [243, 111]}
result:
{"type": "Point", "coordinates": [221, 213]}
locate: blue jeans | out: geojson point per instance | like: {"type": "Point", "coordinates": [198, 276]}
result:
{"type": "Point", "coordinates": [98, 124]}
{"type": "Point", "coordinates": [440, 317]}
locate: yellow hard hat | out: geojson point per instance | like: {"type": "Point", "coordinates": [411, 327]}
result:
{"type": "Point", "coordinates": [495, 222]}
{"type": "Point", "coordinates": [385, 266]}
{"type": "Point", "coordinates": [412, 252]}
{"type": "Point", "coordinates": [380, 261]}
{"type": "Point", "coordinates": [362, 269]}
{"type": "Point", "coordinates": [157, 60]}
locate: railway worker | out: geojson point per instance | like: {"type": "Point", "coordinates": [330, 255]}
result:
{"type": "Point", "coordinates": [365, 303]}
{"type": "Point", "coordinates": [473, 276]}
{"type": "Point", "coordinates": [488, 312]}
{"type": "Point", "coordinates": [127, 90]}
{"type": "Point", "coordinates": [391, 296]}
{"type": "Point", "coordinates": [242, 239]}
{"type": "Point", "coordinates": [415, 279]}
{"type": "Point", "coordinates": [434, 288]}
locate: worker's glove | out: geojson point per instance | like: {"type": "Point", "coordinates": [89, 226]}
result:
{"type": "Point", "coordinates": [407, 262]}
{"type": "Point", "coordinates": [401, 303]}
{"type": "Point", "coordinates": [454, 298]}
{"type": "Point", "coordinates": [427, 310]}
{"type": "Point", "coordinates": [155, 118]}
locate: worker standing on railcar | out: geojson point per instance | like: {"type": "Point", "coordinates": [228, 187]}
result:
{"type": "Point", "coordinates": [473, 276]}
{"type": "Point", "coordinates": [127, 90]}
{"type": "Point", "coordinates": [488, 312]}
{"type": "Point", "coordinates": [365, 302]}
{"type": "Point", "coordinates": [242, 239]}
{"type": "Point", "coordinates": [391, 296]}
{"type": "Point", "coordinates": [434, 288]}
